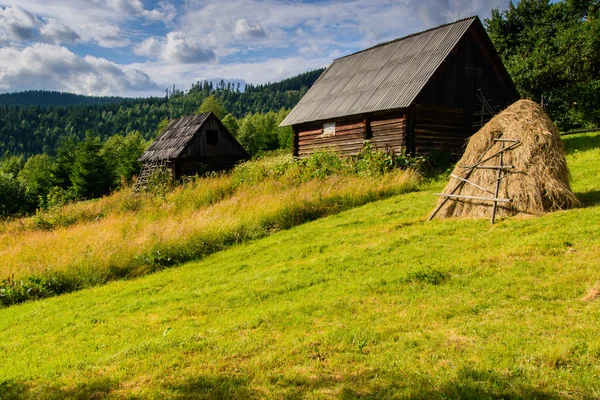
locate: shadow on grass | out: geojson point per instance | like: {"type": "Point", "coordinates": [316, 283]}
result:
{"type": "Point", "coordinates": [589, 199]}
{"type": "Point", "coordinates": [581, 143]}
{"type": "Point", "coordinates": [469, 384]}
{"type": "Point", "coordinates": [213, 387]}
{"type": "Point", "coordinates": [94, 389]}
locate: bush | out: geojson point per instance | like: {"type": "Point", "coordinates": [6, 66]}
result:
{"type": "Point", "coordinates": [14, 198]}
{"type": "Point", "coordinates": [160, 182]}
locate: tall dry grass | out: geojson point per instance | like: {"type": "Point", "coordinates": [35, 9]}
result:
{"type": "Point", "coordinates": [125, 235]}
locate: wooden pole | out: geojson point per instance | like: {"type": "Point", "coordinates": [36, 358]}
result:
{"type": "Point", "coordinates": [498, 179]}
{"type": "Point", "coordinates": [462, 196]}
{"type": "Point", "coordinates": [458, 186]}
{"type": "Point", "coordinates": [470, 171]}
{"type": "Point", "coordinates": [471, 183]}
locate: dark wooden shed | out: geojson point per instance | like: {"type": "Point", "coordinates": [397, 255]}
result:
{"type": "Point", "coordinates": [423, 92]}
{"type": "Point", "coordinates": [194, 145]}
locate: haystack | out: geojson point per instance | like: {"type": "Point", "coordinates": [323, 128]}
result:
{"type": "Point", "coordinates": [532, 170]}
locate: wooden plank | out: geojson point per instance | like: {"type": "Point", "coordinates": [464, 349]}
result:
{"type": "Point", "coordinates": [389, 132]}
{"type": "Point", "coordinates": [332, 140]}
{"type": "Point", "coordinates": [375, 124]}
{"type": "Point", "coordinates": [389, 127]}
{"type": "Point", "coordinates": [338, 145]}
{"type": "Point", "coordinates": [349, 126]}
{"type": "Point", "coordinates": [312, 132]}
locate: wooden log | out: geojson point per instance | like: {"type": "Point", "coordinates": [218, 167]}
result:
{"type": "Point", "coordinates": [376, 124]}
{"type": "Point", "coordinates": [392, 132]}
{"type": "Point", "coordinates": [461, 196]}
{"type": "Point", "coordinates": [349, 126]}
{"type": "Point", "coordinates": [311, 132]}
{"type": "Point", "coordinates": [332, 140]}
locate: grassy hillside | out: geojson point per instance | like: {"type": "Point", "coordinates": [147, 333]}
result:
{"type": "Point", "coordinates": [126, 235]}
{"type": "Point", "coordinates": [371, 303]}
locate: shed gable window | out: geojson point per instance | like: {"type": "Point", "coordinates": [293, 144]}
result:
{"type": "Point", "coordinates": [212, 137]}
{"type": "Point", "coordinates": [329, 129]}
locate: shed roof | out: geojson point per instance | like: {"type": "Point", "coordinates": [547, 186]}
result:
{"type": "Point", "coordinates": [174, 138]}
{"type": "Point", "coordinates": [384, 77]}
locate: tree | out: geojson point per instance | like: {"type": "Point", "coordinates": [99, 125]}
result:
{"type": "Point", "coordinates": [231, 123]}
{"type": "Point", "coordinates": [90, 175]}
{"type": "Point", "coordinates": [248, 135]}
{"type": "Point", "coordinates": [38, 175]}
{"type": "Point", "coordinates": [65, 158]}
{"type": "Point", "coordinates": [13, 196]}
{"type": "Point", "coordinates": [213, 105]}
{"type": "Point", "coordinates": [551, 50]}
{"type": "Point", "coordinates": [284, 133]}
{"type": "Point", "coordinates": [11, 165]}
{"type": "Point", "coordinates": [121, 154]}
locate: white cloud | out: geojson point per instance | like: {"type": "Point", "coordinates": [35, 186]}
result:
{"type": "Point", "coordinates": [176, 49]}
{"type": "Point", "coordinates": [245, 30]}
{"type": "Point", "coordinates": [60, 69]}
{"type": "Point", "coordinates": [105, 35]}
{"type": "Point", "coordinates": [126, 6]}
{"type": "Point", "coordinates": [166, 12]}
{"type": "Point", "coordinates": [437, 12]}
{"type": "Point", "coordinates": [253, 40]}
{"type": "Point", "coordinates": [17, 24]}
{"type": "Point", "coordinates": [151, 47]}
{"type": "Point", "coordinates": [57, 32]}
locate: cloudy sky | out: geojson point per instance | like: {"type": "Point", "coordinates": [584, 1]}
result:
{"type": "Point", "coordinates": [141, 47]}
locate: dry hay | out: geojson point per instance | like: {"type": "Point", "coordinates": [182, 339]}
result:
{"type": "Point", "coordinates": [592, 295]}
{"type": "Point", "coordinates": [539, 182]}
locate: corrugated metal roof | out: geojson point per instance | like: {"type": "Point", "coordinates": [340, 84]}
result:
{"type": "Point", "coordinates": [384, 77]}
{"type": "Point", "coordinates": [173, 140]}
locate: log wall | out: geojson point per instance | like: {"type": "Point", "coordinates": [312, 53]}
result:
{"type": "Point", "coordinates": [388, 134]}
{"type": "Point", "coordinates": [347, 140]}
{"type": "Point", "coordinates": [441, 128]}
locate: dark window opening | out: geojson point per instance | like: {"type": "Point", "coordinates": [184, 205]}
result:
{"type": "Point", "coordinates": [212, 137]}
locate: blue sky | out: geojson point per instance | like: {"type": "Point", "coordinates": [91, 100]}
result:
{"type": "Point", "coordinates": [141, 47]}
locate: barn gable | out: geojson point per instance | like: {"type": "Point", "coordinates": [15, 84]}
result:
{"type": "Point", "coordinates": [418, 93]}
{"type": "Point", "coordinates": [194, 144]}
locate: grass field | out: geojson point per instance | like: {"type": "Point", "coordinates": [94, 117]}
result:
{"type": "Point", "coordinates": [369, 303]}
{"type": "Point", "coordinates": [124, 235]}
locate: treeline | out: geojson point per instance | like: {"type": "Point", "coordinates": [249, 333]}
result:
{"type": "Point", "coordinates": [36, 129]}
{"type": "Point", "coordinates": [81, 169]}
{"type": "Point", "coordinates": [551, 51]}
{"type": "Point", "coordinates": [91, 167]}
{"type": "Point", "coordinates": [47, 98]}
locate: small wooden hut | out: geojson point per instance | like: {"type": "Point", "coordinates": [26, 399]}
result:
{"type": "Point", "coordinates": [426, 91]}
{"type": "Point", "coordinates": [194, 145]}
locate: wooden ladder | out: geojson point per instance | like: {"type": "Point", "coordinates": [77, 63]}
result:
{"type": "Point", "coordinates": [147, 170]}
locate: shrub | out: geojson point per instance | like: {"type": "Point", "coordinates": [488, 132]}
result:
{"type": "Point", "coordinates": [14, 198]}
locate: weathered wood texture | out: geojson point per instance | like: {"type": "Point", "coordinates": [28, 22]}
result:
{"type": "Point", "coordinates": [473, 64]}
{"type": "Point", "coordinates": [386, 131]}
{"type": "Point", "coordinates": [347, 140]}
{"type": "Point", "coordinates": [441, 128]}
{"type": "Point", "coordinates": [389, 134]}
{"type": "Point", "coordinates": [226, 144]}
{"type": "Point", "coordinates": [195, 145]}
{"type": "Point", "coordinates": [440, 117]}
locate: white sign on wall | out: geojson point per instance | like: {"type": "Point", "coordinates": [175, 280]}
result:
{"type": "Point", "coordinates": [329, 129]}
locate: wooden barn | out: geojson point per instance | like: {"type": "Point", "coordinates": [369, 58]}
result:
{"type": "Point", "coordinates": [194, 145]}
{"type": "Point", "coordinates": [430, 90]}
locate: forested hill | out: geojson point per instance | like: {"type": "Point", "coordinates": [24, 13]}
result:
{"type": "Point", "coordinates": [37, 129]}
{"type": "Point", "coordinates": [48, 98]}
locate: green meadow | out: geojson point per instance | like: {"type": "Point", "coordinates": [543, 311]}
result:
{"type": "Point", "coordinates": [371, 302]}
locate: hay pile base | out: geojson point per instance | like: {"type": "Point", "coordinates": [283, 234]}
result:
{"type": "Point", "coordinates": [538, 183]}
